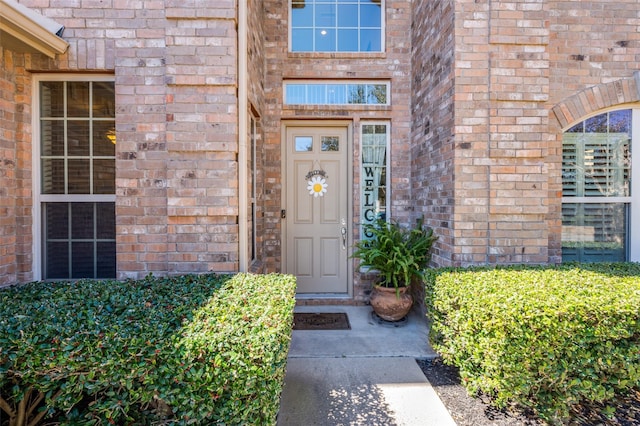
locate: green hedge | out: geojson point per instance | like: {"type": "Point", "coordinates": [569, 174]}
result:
{"type": "Point", "coordinates": [542, 337]}
{"type": "Point", "coordinates": [204, 349]}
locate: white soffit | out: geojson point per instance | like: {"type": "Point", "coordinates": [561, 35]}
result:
{"type": "Point", "coordinates": [25, 30]}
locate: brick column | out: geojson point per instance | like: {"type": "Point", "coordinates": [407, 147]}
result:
{"type": "Point", "coordinates": [141, 157]}
{"type": "Point", "coordinates": [202, 136]}
{"type": "Point", "coordinates": [8, 169]}
{"type": "Point", "coordinates": [502, 87]}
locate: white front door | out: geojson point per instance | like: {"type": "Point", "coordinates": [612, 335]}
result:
{"type": "Point", "coordinates": [316, 222]}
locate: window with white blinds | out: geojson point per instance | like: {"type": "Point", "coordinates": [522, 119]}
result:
{"type": "Point", "coordinates": [596, 188]}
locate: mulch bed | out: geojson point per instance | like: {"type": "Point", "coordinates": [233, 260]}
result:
{"type": "Point", "coordinates": [477, 411]}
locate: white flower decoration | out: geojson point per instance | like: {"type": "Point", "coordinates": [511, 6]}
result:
{"type": "Point", "coordinates": [317, 186]}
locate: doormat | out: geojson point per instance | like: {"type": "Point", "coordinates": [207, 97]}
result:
{"type": "Point", "coordinates": [321, 321]}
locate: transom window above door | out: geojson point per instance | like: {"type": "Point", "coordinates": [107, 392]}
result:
{"type": "Point", "coordinates": [337, 26]}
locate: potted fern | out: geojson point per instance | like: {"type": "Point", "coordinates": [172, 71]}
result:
{"type": "Point", "coordinates": [399, 255]}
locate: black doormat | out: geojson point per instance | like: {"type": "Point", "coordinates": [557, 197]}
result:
{"type": "Point", "coordinates": [321, 321]}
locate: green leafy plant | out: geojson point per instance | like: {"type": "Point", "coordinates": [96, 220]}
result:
{"type": "Point", "coordinates": [205, 349]}
{"type": "Point", "coordinates": [398, 254]}
{"type": "Point", "coordinates": [548, 338]}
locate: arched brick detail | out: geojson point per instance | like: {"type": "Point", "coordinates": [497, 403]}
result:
{"type": "Point", "coordinates": [596, 98]}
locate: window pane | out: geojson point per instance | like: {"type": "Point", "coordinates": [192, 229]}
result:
{"type": "Point", "coordinates": [82, 260]}
{"type": "Point", "coordinates": [52, 137]}
{"type": "Point", "coordinates": [78, 99]}
{"type": "Point", "coordinates": [302, 40]}
{"type": "Point", "coordinates": [104, 99]}
{"type": "Point", "coordinates": [347, 40]}
{"type": "Point", "coordinates": [78, 138]}
{"type": "Point", "coordinates": [304, 143]}
{"type": "Point", "coordinates": [330, 143]}
{"type": "Point", "coordinates": [301, 15]}
{"type": "Point", "coordinates": [347, 15]}
{"type": "Point", "coordinates": [336, 94]}
{"type": "Point", "coordinates": [106, 221]}
{"type": "Point", "coordinates": [597, 124]}
{"type": "Point", "coordinates": [594, 232]}
{"type": "Point", "coordinates": [79, 173]}
{"type": "Point", "coordinates": [104, 133]}
{"type": "Point", "coordinates": [295, 93]}
{"type": "Point", "coordinates": [57, 260]}
{"type": "Point", "coordinates": [56, 220]}
{"type": "Point", "coordinates": [52, 176]}
{"type": "Point", "coordinates": [325, 16]}
{"type": "Point", "coordinates": [597, 164]}
{"type": "Point", "coordinates": [370, 15]}
{"type": "Point", "coordinates": [578, 128]}
{"type": "Point", "coordinates": [620, 121]}
{"type": "Point", "coordinates": [106, 261]}
{"type": "Point", "coordinates": [82, 221]}
{"type": "Point", "coordinates": [52, 99]}
{"type": "Point", "coordinates": [104, 177]}
{"type": "Point", "coordinates": [326, 40]}
{"type": "Point", "coordinates": [357, 94]}
{"type": "Point", "coordinates": [316, 94]}
{"type": "Point", "coordinates": [376, 94]}
{"type": "Point", "coordinates": [370, 41]}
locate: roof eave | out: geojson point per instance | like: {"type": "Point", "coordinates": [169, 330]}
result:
{"type": "Point", "coordinates": [31, 28]}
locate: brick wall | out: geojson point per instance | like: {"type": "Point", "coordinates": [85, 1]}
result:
{"type": "Point", "coordinates": [392, 65]}
{"type": "Point", "coordinates": [432, 132]}
{"type": "Point", "coordinates": [501, 136]}
{"type": "Point", "coordinates": [8, 168]}
{"type": "Point", "coordinates": [477, 151]}
{"type": "Point", "coordinates": [514, 62]}
{"type": "Point", "coordinates": [16, 197]}
{"type": "Point", "coordinates": [175, 70]}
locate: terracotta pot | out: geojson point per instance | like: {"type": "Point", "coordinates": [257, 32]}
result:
{"type": "Point", "coordinates": [388, 305]}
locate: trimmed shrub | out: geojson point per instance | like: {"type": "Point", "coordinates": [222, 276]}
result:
{"type": "Point", "coordinates": [204, 349]}
{"type": "Point", "coordinates": [547, 338]}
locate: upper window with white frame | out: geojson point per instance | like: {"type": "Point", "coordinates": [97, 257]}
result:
{"type": "Point", "coordinates": [337, 26]}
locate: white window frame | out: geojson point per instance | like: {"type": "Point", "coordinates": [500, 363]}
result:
{"type": "Point", "coordinates": [385, 83]}
{"type": "Point", "coordinates": [634, 197]}
{"type": "Point", "coordinates": [38, 197]}
{"type": "Point", "coordinates": [383, 44]}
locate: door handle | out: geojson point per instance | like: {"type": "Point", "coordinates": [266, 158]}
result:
{"type": "Point", "coordinates": [344, 238]}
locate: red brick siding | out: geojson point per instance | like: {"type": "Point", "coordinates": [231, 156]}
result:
{"type": "Point", "coordinates": [9, 124]}
{"type": "Point", "coordinates": [432, 131]}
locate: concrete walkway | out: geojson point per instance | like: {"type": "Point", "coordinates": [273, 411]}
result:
{"type": "Point", "coordinates": [363, 376]}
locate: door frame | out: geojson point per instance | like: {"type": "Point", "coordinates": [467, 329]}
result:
{"type": "Point", "coordinates": [348, 124]}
